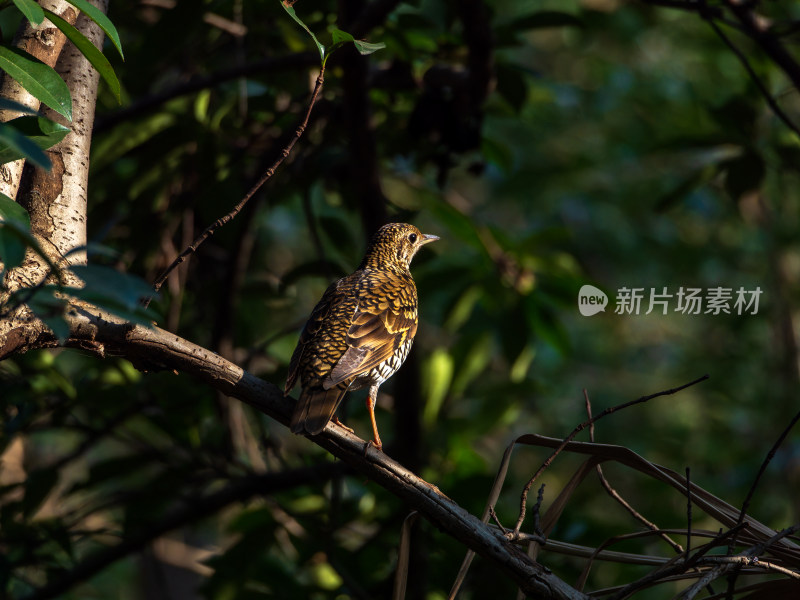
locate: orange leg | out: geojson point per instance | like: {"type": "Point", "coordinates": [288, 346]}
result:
{"type": "Point", "coordinates": [371, 408]}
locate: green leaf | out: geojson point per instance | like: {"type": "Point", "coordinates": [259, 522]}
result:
{"type": "Point", "coordinates": [294, 16]}
{"type": "Point", "coordinates": [365, 48]}
{"type": "Point", "coordinates": [50, 309]}
{"type": "Point", "coordinates": [40, 80]}
{"type": "Point", "coordinates": [6, 104]}
{"type": "Point", "coordinates": [12, 245]}
{"type": "Point", "coordinates": [15, 144]}
{"type": "Point", "coordinates": [118, 293]}
{"type": "Point", "coordinates": [11, 210]}
{"type": "Point", "coordinates": [438, 374]}
{"type": "Point", "coordinates": [32, 11]}
{"type": "Point", "coordinates": [96, 15]}
{"type": "Point", "coordinates": [44, 133]}
{"type": "Point", "coordinates": [340, 38]}
{"type": "Point", "coordinates": [107, 286]}
{"type": "Point", "coordinates": [90, 51]}
{"type": "Point", "coordinates": [15, 224]}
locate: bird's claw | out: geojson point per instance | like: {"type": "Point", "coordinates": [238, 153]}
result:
{"type": "Point", "coordinates": [377, 445]}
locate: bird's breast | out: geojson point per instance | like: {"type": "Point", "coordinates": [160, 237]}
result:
{"type": "Point", "coordinates": [380, 373]}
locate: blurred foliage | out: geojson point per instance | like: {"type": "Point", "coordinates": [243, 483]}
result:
{"type": "Point", "coordinates": [620, 145]}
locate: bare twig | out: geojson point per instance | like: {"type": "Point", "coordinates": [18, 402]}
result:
{"type": "Point", "coordinates": [493, 515]}
{"type": "Point", "coordinates": [209, 231]}
{"type": "Point", "coordinates": [762, 469]}
{"type": "Point", "coordinates": [770, 43]}
{"type": "Point", "coordinates": [616, 496]}
{"type": "Point", "coordinates": [773, 104]}
{"type": "Point", "coordinates": [688, 513]}
{"type": "Point", "coordinates": [537, 528]}
{"type": "Point", "coordinates": [576, 431]}
{"type": "Point", "coordinates": [749, 557]}
{"type": "Point", "coordinates": [753, 26]}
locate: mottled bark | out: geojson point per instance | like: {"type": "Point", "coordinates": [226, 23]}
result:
{"type": "Point", "coordinates": [55, 200]}
{"type": "Point", "coordinates": [44, 42]}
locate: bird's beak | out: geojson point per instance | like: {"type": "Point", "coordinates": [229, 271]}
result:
{"type": "Point", "coordinates": [428, 238]}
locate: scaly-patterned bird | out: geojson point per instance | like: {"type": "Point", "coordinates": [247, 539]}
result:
{"type": "Point", "coordinates": [360, 332]}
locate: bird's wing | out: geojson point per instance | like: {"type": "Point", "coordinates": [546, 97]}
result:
{"type": "Point", "coordinates": [321, 312]}
{"type": "Point", "coordinates": [377, 330]}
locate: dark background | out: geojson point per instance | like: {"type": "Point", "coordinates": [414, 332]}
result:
{"type": "Point", "coordinates": [549, 145]}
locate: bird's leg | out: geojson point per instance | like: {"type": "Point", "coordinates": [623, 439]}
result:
{"type": "Point", "coordinates": [371, 399]}
{"type": "Point", "coordinates": [342, 425]}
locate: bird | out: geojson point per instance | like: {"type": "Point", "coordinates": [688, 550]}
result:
{"type": "Point", "coordinates": [359, 333]}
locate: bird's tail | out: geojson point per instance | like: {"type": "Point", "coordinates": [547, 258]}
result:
{"type": "Point", "coordinates": [315, 408]}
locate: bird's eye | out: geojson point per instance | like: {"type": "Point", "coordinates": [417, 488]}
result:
{"type": "Point", "coordinates": [412, 238]}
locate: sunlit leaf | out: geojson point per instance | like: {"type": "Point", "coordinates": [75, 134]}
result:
{"type": "Point", "coordinates": [96, 15]}
{"type": "Point", "coordinates": [38, 78]}
{"type": "Point", "coordinates": [341, 38]}
{"type": "Point", "coordinates": [32, 11]}
{"type": "Point", "coordinates": [438, 375]}
{"type": "Point", "coordinates": [365, 48]}
{"type": "Point", "coordinates": [92, 54]}
{"type": "Point", "coordinates": [299, 21]}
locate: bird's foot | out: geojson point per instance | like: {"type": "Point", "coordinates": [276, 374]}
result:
{"type": "Point", "coordinates": [342, 425]}
{"type": "Point", "coordinates": [375, 444]}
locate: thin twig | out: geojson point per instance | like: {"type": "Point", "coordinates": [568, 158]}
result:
{"type": "Point", "coordinates": [494, 517]}
{"type": "Point", "coordinates": [537, 528]}
{"type": "Point", "coordinates": [773, 104]}
{"type": "Point", "coordinates": [618, 497]}
{"type": "Point", "coordinates": [751, 492]}
{"type": "Point", "coordinates": [674, 567]}
{"type": "Point", "coordinates": [576, 431]}
{"type": "Point", "coordinates": [715, 543]}
{"type": "Point", "coordinates": [767, 459]}
{"type": "Point", "coordinates": [749, 556]}
{"type": "Point", "coordinates": [211, 229]}
{"type": "Point", "coordinates": [688, 513]}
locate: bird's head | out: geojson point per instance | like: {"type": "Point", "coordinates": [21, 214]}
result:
{"type": "Point", "coordinates": [395, 243]}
